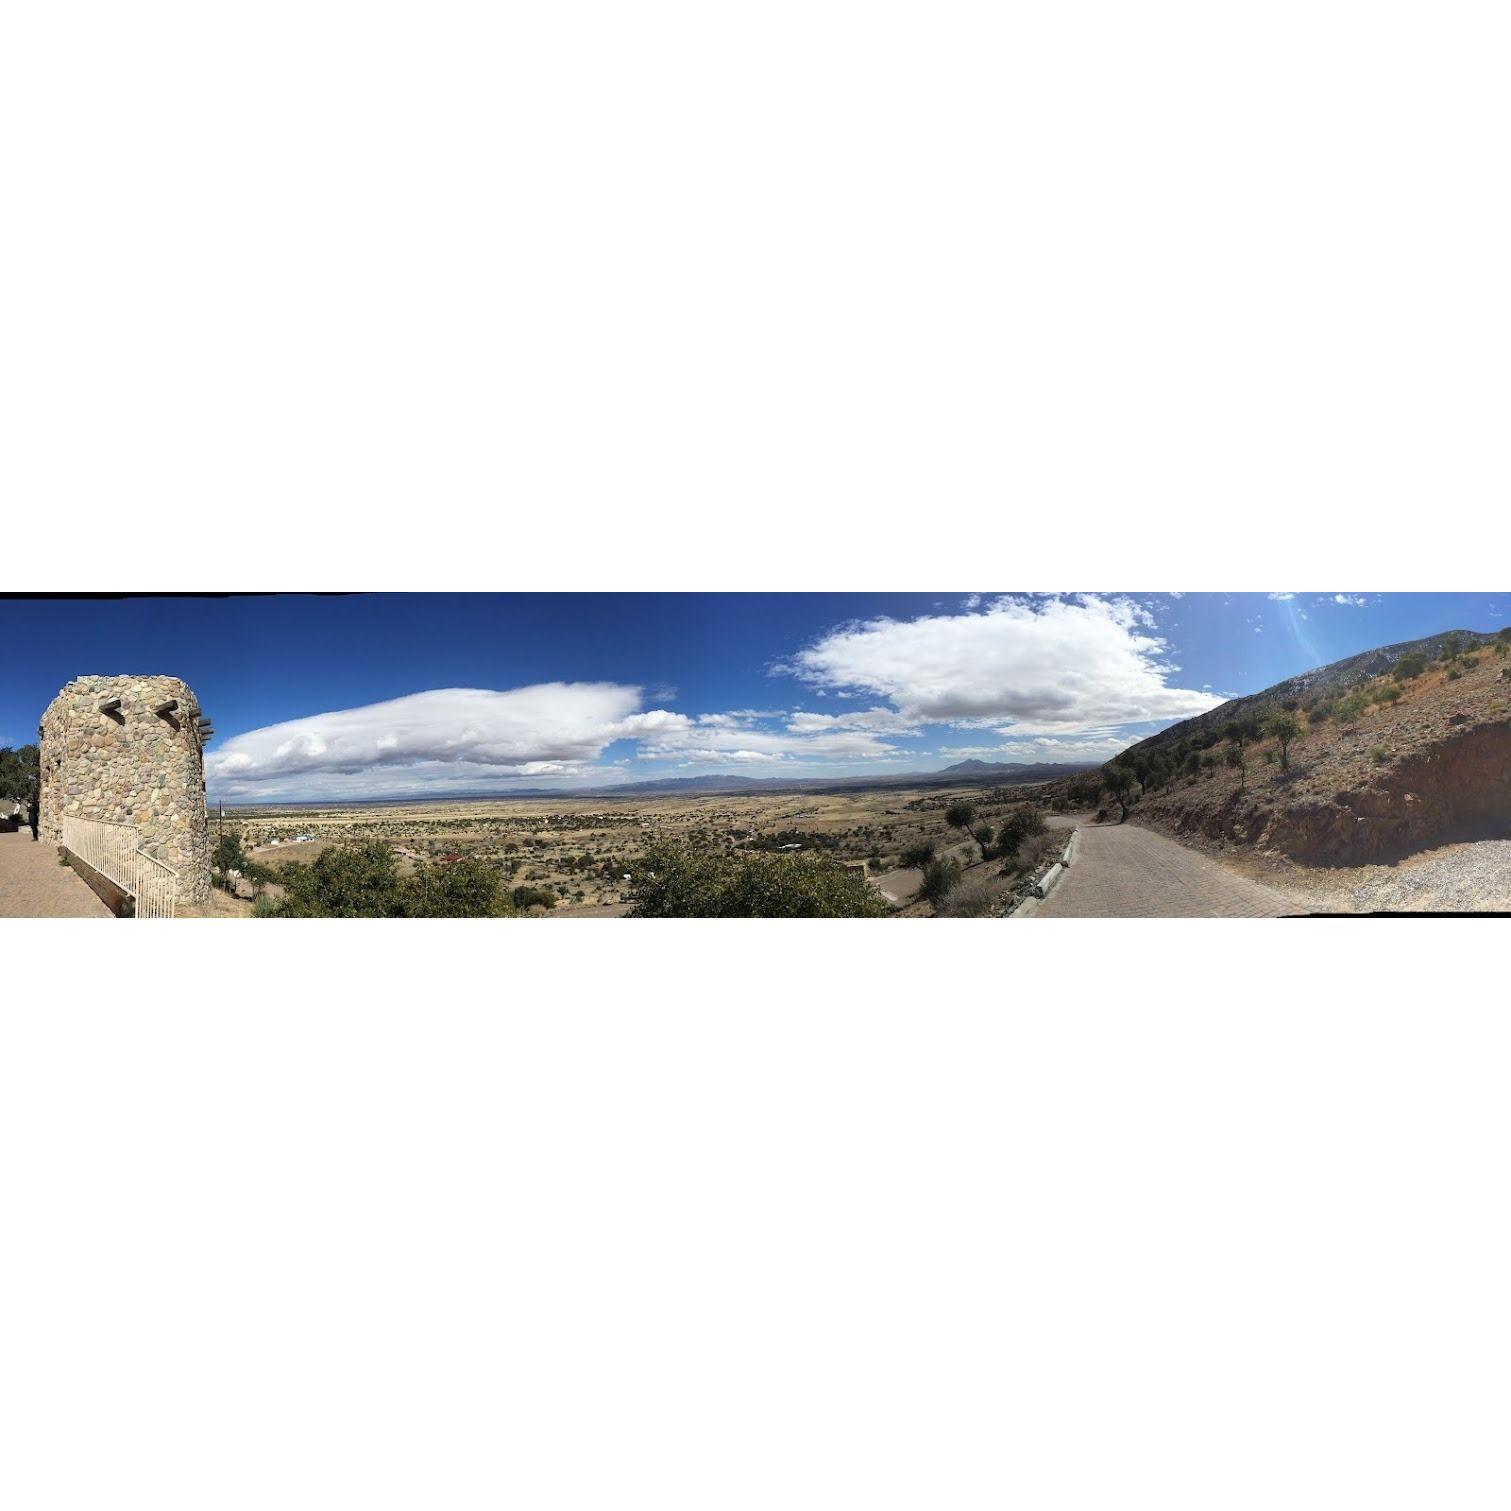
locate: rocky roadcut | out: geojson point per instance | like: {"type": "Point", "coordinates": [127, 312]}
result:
{"type": "Point", "coordinates": [1379, 769]}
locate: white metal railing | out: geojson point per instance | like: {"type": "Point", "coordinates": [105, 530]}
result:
{"type": "Point", "coordinates": [117, 853]}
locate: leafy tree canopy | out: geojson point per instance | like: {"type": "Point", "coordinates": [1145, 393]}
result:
{"type": "Point", "coordinates": [676, 883]}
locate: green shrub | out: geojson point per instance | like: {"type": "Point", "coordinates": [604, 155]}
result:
{"type": "Point", "coordinates": [362, 881]}
{"type": "Point", "coordinates": [1349, 708]}
{"type": "Point", "coordinates": [672, 882]}
{"type": "Point", "coordinates": [1019, 826]}
{"type": "Point", "coordinates": [1409, 666]}
{"type": "Point", "coordinates": [1319, 713]}
{"type": "Point", "coordinates": [1454, 674]}
{"type": "Point", "coordinates": [532, 897]}
{"type": "Point", "coordinates": [1389, 692]}
{"type": "Point", "coordinates": [940, 877]}
{"type": "Point", "coordinates": [1469, 663]}
{"type": "Point", "coordinates": [1379, 755]}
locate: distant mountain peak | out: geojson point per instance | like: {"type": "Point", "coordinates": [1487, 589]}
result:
{"type": "Point", "coordinates": [966, 768]}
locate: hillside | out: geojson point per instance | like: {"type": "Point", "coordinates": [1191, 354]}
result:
{"type": "Point", "coordinates": [1383, 762]}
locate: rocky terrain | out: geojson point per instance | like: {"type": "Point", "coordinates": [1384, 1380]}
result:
{"type": "Point", "coordinates": [1383, 764]}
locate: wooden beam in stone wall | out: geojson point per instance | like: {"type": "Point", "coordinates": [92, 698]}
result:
{"type": "Point", "coordinates": [166, 708]}
{"type": "Point", "coordinates": [111, 706]}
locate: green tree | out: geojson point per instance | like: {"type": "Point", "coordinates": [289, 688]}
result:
{"type": "Point", "coordinates": [960, 815]}
{"type": "Point", "coordinates": [228, 854]}
{"type": "Point", "coordinates": [362, 881]}
{"type": "Point", "coordinates": [916, 857]}
{"type": "Point", "coordinates": [1285, 728]}
{"type": "Point", "coordinates": [467, 888]}
{"type": "Point", "coordinates": [18, 773]}
{"type": "Point", "coordinates": [1119, 781]}
{"type": "Point", "coordinates": [345, 881]}
{"type": "Point", "coordinates": [1451, 647]}
{"type": "Point", "coordinates": [672, 882]}
{"type": "Point", "coordinates": [1409, 666]}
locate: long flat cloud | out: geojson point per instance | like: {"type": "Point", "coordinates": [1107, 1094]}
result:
{"type": "Point", "coordinates": [548, 729]}
{"type": "Point", "coordinates": [1061, 665]}
{"type": "Point", "coordinates": [459, 739]}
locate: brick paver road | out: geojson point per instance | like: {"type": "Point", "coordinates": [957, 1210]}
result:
{"type": "Point", "coordinates": [1124, 871]}
{"type": "Point", "coordinates": [34, 885]}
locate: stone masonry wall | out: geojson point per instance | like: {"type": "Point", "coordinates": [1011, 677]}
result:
{"type": "Point", "coordinates": [131, 766]}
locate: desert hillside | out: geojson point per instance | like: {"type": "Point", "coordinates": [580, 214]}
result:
{"type": "Point", "coordinates": [1366, 760]}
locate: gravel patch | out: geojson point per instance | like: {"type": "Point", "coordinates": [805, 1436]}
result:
{"type": "Point", "coordinates": [1470, 878]}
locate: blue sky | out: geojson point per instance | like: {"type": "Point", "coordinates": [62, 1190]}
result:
{"type": "Point", "coordinates": [387, 695]}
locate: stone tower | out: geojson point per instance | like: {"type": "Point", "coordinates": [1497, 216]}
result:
{"type": "Point", "coordinates": [130, 750]}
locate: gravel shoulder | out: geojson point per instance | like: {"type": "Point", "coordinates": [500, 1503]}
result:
{"type": "Point", "coordinates": [1474, 877]}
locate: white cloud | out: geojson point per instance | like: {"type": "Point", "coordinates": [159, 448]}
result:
{"type": "Point", "coordinates": [1057, 666]}
{"type": "Point", "coordinates": [475, 739]}
{"type": "Point", "coordinates": [1096, 746]}
{"type": "Point", "coordinates": [1280, 597]}
{"type": "Point", "coordinates": [450, 736]}
{"type": "Point", "coordinates": [880, 720]}
{"type": "Point", "coordinates": [1348, 600]}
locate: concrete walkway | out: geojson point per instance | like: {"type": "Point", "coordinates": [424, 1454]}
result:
{"type": "Point", "coordinates": [34, 885]}
{"type": "Point", "coordinates": [1124, 871]}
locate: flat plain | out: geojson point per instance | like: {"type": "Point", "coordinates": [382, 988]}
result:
{"type": "Point", "coordinates": [584, 849]}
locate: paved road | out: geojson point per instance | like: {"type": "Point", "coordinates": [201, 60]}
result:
{"type": "Point", "coordinates": [1124, 871]}
{"type": "Point", "coordinates": [34, 885]}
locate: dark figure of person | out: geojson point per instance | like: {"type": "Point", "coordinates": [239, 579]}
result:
{"type": "Point", "coordinates": [33, 809]}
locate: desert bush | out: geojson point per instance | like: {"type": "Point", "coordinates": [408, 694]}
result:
{"type": "Point", "coordinates": [1379, 755]}
{"type": "Point", "coordinates": [678, 883]}
{"type": "Point", "coordinates": [1019, 826]}
{"type": "Point", "coordinates": [1451, 648]}
{"type": "Point", "coordinates": [1454, 674]}
{"type": "Point", "coordinates": [1469, 663]}
{"type": "Point", "coordinates": [1349, 708]}
{"type": "Point", "coordinates": [1409, 666]}
{"type": "Point", "coordinates": [526, 897]}
{"type": "Point", "coordinates": [940, 877]}
{"type": "Point", "coordinates": [1388, 692]}
{"type": "Point", "coordinates": [1236, 759]}
{"type": "Point", "coordinates": [1319, 713]}
{"type": "Point", "coordinates": [977, 896]}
